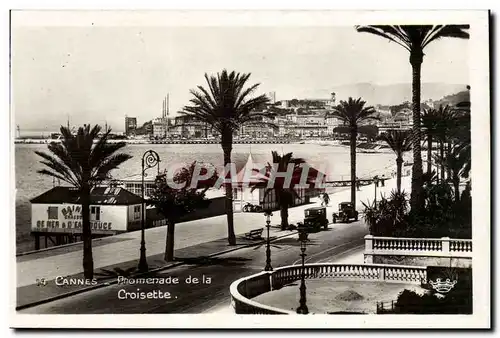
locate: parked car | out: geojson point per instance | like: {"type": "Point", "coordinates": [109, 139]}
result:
{"type": "Point", "coordinates": [346, 213]}
{"type": "Point", "coordinates": [249, 207]}
{"type": "Point", "coordinates": [315, 218]}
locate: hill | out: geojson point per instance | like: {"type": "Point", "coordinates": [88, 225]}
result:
{"type": "Point", "coordinates": [392, 94]}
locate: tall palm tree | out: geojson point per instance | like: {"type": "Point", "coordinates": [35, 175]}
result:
{"type": "Point", "coordinates": [456, 164]}
{"type": "Point", "coordinates": [353, 112]}
{"type": "Point", "coordinates": [444, 129]}
{"type": "Point", "coordinates": [430, 120]}
{"type": "Point", "coordinates": [83, 164]}
{"type": "Point", "coordinates": [285, 194]}
{"type": "Point", "coordinates": [414, 38]}
{"type": "Point", "coordinates": [400, 142]}
{"type": "Point", "coordinates": [226, 105]}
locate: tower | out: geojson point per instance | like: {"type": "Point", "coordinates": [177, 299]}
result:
{"type": "Point", "coordinates": [332, 99]}
{"type": "Point", "coordinates": [164, 115]}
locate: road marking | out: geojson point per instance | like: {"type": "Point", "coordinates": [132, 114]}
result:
{"type": "Point", "coordinates": [329, 249]}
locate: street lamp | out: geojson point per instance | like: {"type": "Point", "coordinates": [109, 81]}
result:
{"type": "Point", "coordinates": [375, 182]}
{"type": "Point", "coordinates": [302, 309]}
{"type": "Point", "coordinates": [150, 159]}
{"type": "Point", "coordinates": [268, 267]}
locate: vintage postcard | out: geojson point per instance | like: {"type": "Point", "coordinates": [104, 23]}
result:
{"type": "Point", "coordinates": [204, 169]}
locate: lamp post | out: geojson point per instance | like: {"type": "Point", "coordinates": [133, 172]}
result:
{"type": "Point", "coordinates": [150, 159]}
{"type": "Point", "coordinates": [302, 309]}
{"type": "Point", "coordinates": [375, 182]}
{"type": "Point", "coordinates": [268, 267]}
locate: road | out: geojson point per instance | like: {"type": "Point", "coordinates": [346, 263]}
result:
{"type": "Point", "coordinates": [221, 270]}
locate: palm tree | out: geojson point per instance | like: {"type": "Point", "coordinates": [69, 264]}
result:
{"type": "Point", "coordinates": [444, 129]}
{"type": "Point", "coordinates": [415, 38]}
{"type": "Point", "coordinates": [226, 106]}
{"type": "Point", "coordinates": [175, 203]}
{"type": "Point", "coordinates": [430, 120]}
{"type": "Point", "coordinates": [456, 163]}
{"type": "Point", "coordinates": [83, 164]}
{"type": "Point", "coordinates": [352, 113]}
{"type": "Point", "coordinates": [285, 195]}
{"type": "Point", "coordinates": [400, 142]}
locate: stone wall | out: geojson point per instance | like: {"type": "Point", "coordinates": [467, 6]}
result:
{"type": "Point", "coordinates": [463, 262]}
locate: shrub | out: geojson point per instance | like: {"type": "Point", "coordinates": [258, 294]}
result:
{"type": "Point", "coordinates": [442, 215]}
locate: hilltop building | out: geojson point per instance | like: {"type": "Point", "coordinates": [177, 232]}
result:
{"type": "Point", "coordinates": [130, 125]}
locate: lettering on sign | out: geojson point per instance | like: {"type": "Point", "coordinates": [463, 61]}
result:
{"type": "Point", "coordinates": [72, 212]}
{"type": "Point", "coordinates": [73, 225]}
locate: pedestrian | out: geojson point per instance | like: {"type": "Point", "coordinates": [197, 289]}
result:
{"type": "Point", "coordinates": [357, 183]}
{"type": "Point", "coordinates": [326, 198]}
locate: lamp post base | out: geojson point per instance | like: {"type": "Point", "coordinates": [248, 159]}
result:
{"type": "Point", "coordinates": [143, 264]}
{"type": "Point", "coordinates": [302, 310]}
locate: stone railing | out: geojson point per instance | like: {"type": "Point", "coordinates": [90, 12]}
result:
{"type": "Point", "coordinates": [249, 287]}
{"type": "Point", "coordinates": [413, 246]}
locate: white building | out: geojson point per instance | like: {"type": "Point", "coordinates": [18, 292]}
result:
{"type": "Point", "coordinates": [59, 211]}
{"type": "Point", "coordinates": [252, 182]}
{"type": "Point", "coordinates": [160, 128]}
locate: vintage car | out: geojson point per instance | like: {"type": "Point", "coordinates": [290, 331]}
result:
{"type": "Point", "coordinates": [315, 218]}
{"type": "Point", "coordinates": [346, 213]}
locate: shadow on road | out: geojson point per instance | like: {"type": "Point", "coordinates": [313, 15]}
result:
{"type": "Point", "coordinates": [207, 261]}
{"type": "Point", "coordinates": [295, 242]}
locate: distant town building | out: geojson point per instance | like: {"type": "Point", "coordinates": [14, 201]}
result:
{"type": "Point", "coordinates": [272, 97]}
{"type": "Point", "coordinates": [310, 103]}
{"type": "Point", "coordinates": [130, 125]}
{"type": "Point", "coordinates": [160, 128]}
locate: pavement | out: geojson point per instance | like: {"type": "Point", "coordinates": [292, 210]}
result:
{"type": "Point", "coordinates": [194, 240]}
{"type": "Point", "coordinates": [214, 274]}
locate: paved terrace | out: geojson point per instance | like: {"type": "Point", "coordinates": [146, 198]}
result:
{"type": "Point", "coordinates": [125, 247]}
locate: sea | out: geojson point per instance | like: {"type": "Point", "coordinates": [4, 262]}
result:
{"type": "Point", "coordinates": [333, 160]}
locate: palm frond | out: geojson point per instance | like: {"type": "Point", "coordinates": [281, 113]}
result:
{"type": "Point", "coordinates": [385, 32]}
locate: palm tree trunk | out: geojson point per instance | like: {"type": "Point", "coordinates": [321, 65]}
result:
{"type": "Point", "coordinates": [416, 58]}
{"type": "Point", "coordinates": [227, 145]}
{"type": "Point", "coordinates": [456, 185]}
{"type": "Point", "coordinates": [169, 242]}
{"type": "Point", "coordinates": [448, 153]}
{"type": "Point", "coordinates": [429, 153]}
{"type": "Point", "coordinates": [88, 261]}
{"type": "Point", "coordinates": [441, 151]}
{"type": "Point", "coordinates": [354, 133]}
{"type": "Point", "coordinates": [399, 167]}
{"type": "Point", "coordinates": [284, 215]}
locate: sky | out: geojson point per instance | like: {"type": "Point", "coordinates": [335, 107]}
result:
{"type": "Point", "coordinates": [99, 74]}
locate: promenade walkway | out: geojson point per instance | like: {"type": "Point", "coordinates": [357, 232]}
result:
{"type": "Point", "coordinates": [191, 237]}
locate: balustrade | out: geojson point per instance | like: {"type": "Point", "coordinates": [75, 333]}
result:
{"type": "Point", "coordinates": [252, 286]}
{"type": "Point", "coordinates": [416, 245]}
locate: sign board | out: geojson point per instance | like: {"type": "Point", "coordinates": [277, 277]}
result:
{"type": "Point", "coordinates": [67, 218]}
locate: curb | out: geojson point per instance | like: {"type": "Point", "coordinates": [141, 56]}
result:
{"type": "Point", "coordinates": [104, 284]}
